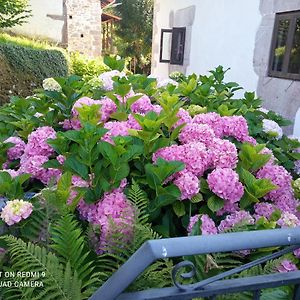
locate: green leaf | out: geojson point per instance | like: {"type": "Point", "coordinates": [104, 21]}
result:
{"type": "Point", "coordinates": [52, 163]}
{"type": "Point", "coordinates": [73, 164]}
{"type": "Point", "coordinates": [120, 116]}
{"type": "Point", "coordinates": [197, 198]}
{"type": "Point", "coordinates": [63, 187]}
{"type": "Point", "coordinates": [215, 203]}
{"type": "Point", "coordinates": [122, 89]}
{"type": "Point", "coordinates": [114, 63]}
{"type": "Point", "coordinates": [179, 208]}
{"type": "Point", "coordinates": [73, 135]}
{"type": "Point", "coordinates": [166, 196]}
{"type": "Point", "coordinates": [108, 151]}
{"type": "Point", "coordinates": [132, 100]}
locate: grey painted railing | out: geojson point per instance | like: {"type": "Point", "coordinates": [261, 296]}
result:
{"type": "Point", "coordinates": [153, 250]}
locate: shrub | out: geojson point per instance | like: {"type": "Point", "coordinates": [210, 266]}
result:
{"type": "Point", "coordinates": [124, 161]}
{"type": "Point", "coordinates": [37, 62]}
{"type": "Point", "coordinates": [25, 63]}
{"type": "Point", "coordinates": [82, 65]}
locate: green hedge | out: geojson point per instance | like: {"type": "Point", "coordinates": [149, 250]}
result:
{"type": "Point", "coordinates": [40, 63]}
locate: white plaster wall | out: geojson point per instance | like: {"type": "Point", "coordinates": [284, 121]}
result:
{"type": "Point", "coordinates": [40, 25]}
{"type": "Point", "coordinates": [223, 33]}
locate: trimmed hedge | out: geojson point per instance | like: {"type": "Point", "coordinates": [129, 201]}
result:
{"type": "Point", "coordinates": [40, 63]}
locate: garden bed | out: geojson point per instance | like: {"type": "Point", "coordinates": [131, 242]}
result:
{"type": "Point", "coordinates": [95, 166]}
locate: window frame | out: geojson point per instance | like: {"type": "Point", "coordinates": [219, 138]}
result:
{"type": "Point", "coordinates": [292, 16]}
{"type": "Point", "coordinates": [161, 45]}
{"type": "Point", "coordinates": [176, 32]}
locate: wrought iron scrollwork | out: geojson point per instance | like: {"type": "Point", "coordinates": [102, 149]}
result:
{"type": "Point", "coordinates": [177, 272]}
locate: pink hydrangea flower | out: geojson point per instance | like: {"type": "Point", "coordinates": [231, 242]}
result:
{"type": "Point", "coordinates": [80, 103]}
{"type": "Point", "coordinates": [228, 207]}
{"type": "Point", "coordinates": [196, 133]}
{"type": "Point", "coordinates": [133, 123]}
{"type": "Point", "coordinates": [212, 119]}
{"type": "Point", "coordinates": [194, 155]}
{"type": "Point", "coordinates": [142, 105]}
{"type": "Point", "coordinates": [288, 220]}
{"type": "Point", "coordinates": [225, 184]}
{"type": "Point", "coordinates": [238, 218]}
{"type": "Point", "coordinates": [237, 127]}
{"type": "Point", "coordinates": [184, 117]}
{"type": "Point", "coordinates": [196, 158]}
{"type": "Point", "coordinates": [114, 214]}
{"type": "Point", "coordinates": [283, 196]}
{"type": "Point", "coordinates": [37, 142]}
{"type": "Point", "coordinates": [223, 154]}
{"type": "Point", "coordinates": [263, 210]}
{"type": "Point", "coordinates": [34, 165]}
{"type": "Point", "coordinates": [286, 266]}
{"type": "Point", "coordinates": [108, 107]}
{"type": "Point", "coordinates": [188, 185]}
{"type": "Point", "coordinates": [116, 128]}
{"type": "Point", "coordinates": [15, 211]}
{"type": "Point", "coordinates": [16, 151]}
{"type": "Point", "coordinates": [208, 226]}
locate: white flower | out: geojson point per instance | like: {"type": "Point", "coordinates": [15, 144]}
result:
{"type": "Point", "coordinates": [263, 110]}
{"type": "Point", "coordinates": [50, 84]}
{"type": "Point", "coordinates": [272, 128]}
{"type": "Point", "coordinates": [38, 115]}
{"type": "Point", "coordinates": [107, 81]}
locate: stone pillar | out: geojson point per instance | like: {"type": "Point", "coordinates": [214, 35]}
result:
{"type": "Point", "coordinates": [84, 26]}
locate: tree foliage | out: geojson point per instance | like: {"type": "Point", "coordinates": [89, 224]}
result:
{"type": "Point", "coordinates": [135, 31]}
{"type": "Point", "coordinates": [13, 12]}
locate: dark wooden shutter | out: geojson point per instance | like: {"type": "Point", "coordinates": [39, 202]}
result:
{"type": "Point", "coordinates": [178, 45]}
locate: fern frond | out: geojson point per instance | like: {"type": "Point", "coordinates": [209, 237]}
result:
{"type": "Point", "coordinates": [59, 281]}
{"type": "Point", "coordinates": [140, 200]}
{"type": "Point", "coordinates": [69, 244]}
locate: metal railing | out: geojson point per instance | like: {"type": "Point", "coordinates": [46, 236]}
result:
{"type": "Point", "coordinates": [153, 250]}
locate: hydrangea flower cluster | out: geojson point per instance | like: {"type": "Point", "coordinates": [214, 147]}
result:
{"type": "Point", "coordinates": [233, 126]}
{"type": "Point", "coordinates": [286, 266]}
{"type": "Point", "coordinates": [33, 155]}
{"type": "Point", "coordinates": [107, 79]}
{"type": "Point", "coordinates": [114, 214]}
{"type": "Point", "coordinates": [225, 183]}
{"type": "Point", "coordinates": [196, 133]}
{"type": "Point", "coordinates": [15, 211]}
{"type": "Point", "coordinates": [37, 142]}
{"type": "Point", "coordinates": [17, 150]}
{"type": "Point", "coordinates": [272, 128]}
{"type": "Point", "coordinates": [237, 218]}
{"type": "Point", "coordinates": [207, 227]}
{"type": "Point", "coordinates": [263, 210]}
{"type": "Point", "coordinates": [288, 220]}
{"type": "Point", "coordinates": [283, 196]}
{"type": "Point", "coordinates": [51, 85]}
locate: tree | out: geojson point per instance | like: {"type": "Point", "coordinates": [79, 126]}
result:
{"type": "Point", "coordinates": [135, 32]}
{"type": "Point", "coordinates": [13, 12]}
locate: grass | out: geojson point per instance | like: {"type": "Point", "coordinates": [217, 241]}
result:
{"type": "Point", "coordinates": [23, 41]}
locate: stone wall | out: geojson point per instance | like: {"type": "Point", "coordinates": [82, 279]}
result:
{"type": "Point", "coordinates": [84, 26]}
{"type": "Point", "coordinates": [280, 95]}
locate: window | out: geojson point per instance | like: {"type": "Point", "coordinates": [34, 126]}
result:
{"type": "Point", "coordinates": [172, 45]}
{"type": "Point", "coordinates": [285, 50]}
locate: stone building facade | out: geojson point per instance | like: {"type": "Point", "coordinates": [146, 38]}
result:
{"type": "Point", "coordinates": [233, 33]}
{"type": "Point", "coordinates": [74, 24]}
{"type": "Point", "coordinates": [83, 19]}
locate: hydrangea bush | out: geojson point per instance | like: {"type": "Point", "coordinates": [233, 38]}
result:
{"type": "Point", "coordinates": [203, 161]}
